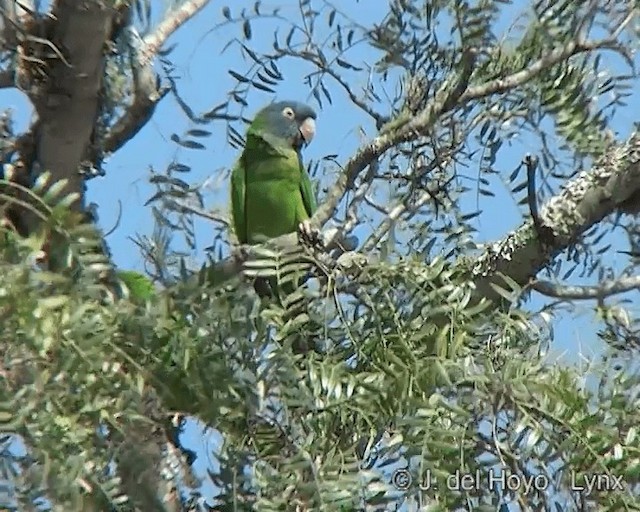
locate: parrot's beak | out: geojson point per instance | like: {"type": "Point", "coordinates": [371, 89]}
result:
{"type": "Point", "coordinates": [308, 130]}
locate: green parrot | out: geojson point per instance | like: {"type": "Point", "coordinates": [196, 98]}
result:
{"type": "Point", "coordinates": [271, 192]}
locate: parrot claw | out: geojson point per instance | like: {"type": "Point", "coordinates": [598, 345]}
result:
{"type": "Point", "coordinates": [309, 235]}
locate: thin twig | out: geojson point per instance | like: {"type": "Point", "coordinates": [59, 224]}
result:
{"type": "Point", "coordinates": [326, 68]}
{"type": "Point", "coordinates": [392, 217]}
{"type": "Point", "coordinates": [521, 77]}
{"type": "Point", "coordinates": [117, 222]}
{"type": "Point", "coordinates": [625, 21]}
{"type": "Point", "coordinates": [531, 164]}
{"type": "Point", "coordinates": [215, 217]}
{"type": "Point", "coordinates": [359, 196]}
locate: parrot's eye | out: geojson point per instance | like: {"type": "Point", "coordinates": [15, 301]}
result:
{"type": "Point", "coordinates": [288, 113]}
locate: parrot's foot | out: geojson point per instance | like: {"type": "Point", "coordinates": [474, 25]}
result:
{"type": "Point", "coordinates": [309, 235]}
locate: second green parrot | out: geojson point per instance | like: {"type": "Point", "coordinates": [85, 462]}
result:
{"type": "Point", "coordinates": [271, 192]}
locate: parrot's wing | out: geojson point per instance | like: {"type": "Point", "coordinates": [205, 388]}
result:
{"type": "Point", "coordinates": [306, 188]}
{"type": "Point", "coordinates": [238, 206]}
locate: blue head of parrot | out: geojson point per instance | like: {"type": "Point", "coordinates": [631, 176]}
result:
{"type": "Point", "coordinates": [290, 120]}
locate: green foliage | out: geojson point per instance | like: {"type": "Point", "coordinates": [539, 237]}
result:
{"type": "Point", "coordinates": [405, 351]}
{"type": "Point", "coordinates": [64, 374]}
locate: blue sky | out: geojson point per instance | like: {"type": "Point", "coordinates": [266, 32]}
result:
{"type": "Point", "coordinates": [201, 72]}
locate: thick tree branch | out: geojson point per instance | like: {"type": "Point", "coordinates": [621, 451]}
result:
{"type": "Point", "coordinates": [59, 65]}
{"type": "Point", "coordinates": [68, 102]}
{"type": "Point", "coordinates": [583, 201]}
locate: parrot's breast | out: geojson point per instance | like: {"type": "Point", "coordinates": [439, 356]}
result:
{"type": "Point", "coordinates": [274, 204]}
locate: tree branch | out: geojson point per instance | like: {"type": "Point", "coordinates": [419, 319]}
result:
{"type": "Point", "coordinates": [146, 97]}
{"type": "Point", "coordinates": [200, 212]}
{"type": "Point", "coordinates": [404, 206]}
{"type": "Point", "coordinates": [500, 85]}
{"type": "Point", "coordinates": [147, 94]}
{"type": "Point", "coordinates": [169, 25]}
{"type": "Point", "coordinates": [12, 14]}
{"type": "Point", "coordinates": [69, 106]}
{"type": "Point", "coordinates": [583, 202]}
{"type": "Point", "coordinates": [601, 291]}
{"type": "Point", "coordinates": [531, 163]}
{"type": "Point", "coordinates": [325, 67]}
{"type": "Point", "coordinates": [63, 82]}
{"type": "Point", "coordinates": [406, 128]}
{"type": "Point", "coordinates": [359, 197]}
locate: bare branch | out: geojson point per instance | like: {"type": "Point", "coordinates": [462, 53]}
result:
{"type": "Point", "coordinates": [146, 96]}
{"type": "Point", "coordinates": [394, 214]}
{"type": "Point", "coordinates": [173, 21]}
{"type": "Point", "coordinates": [543, 232]}
{"type": "Point", "coordinates": [359, 197]}
{"type": "Point", "coordinates": [379, 118]}
{"type": "Point", "coordinates": [603, 290]}
{"type": "Point", "coordinates": [363, 157]}
{"type": "Point", "coordinates": [625, 21]}
{"type": "Point", "coordinates": [146, 91]}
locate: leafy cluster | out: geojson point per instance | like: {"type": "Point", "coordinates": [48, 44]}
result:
{"type": "Point", "coordinates": [462, 395]}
